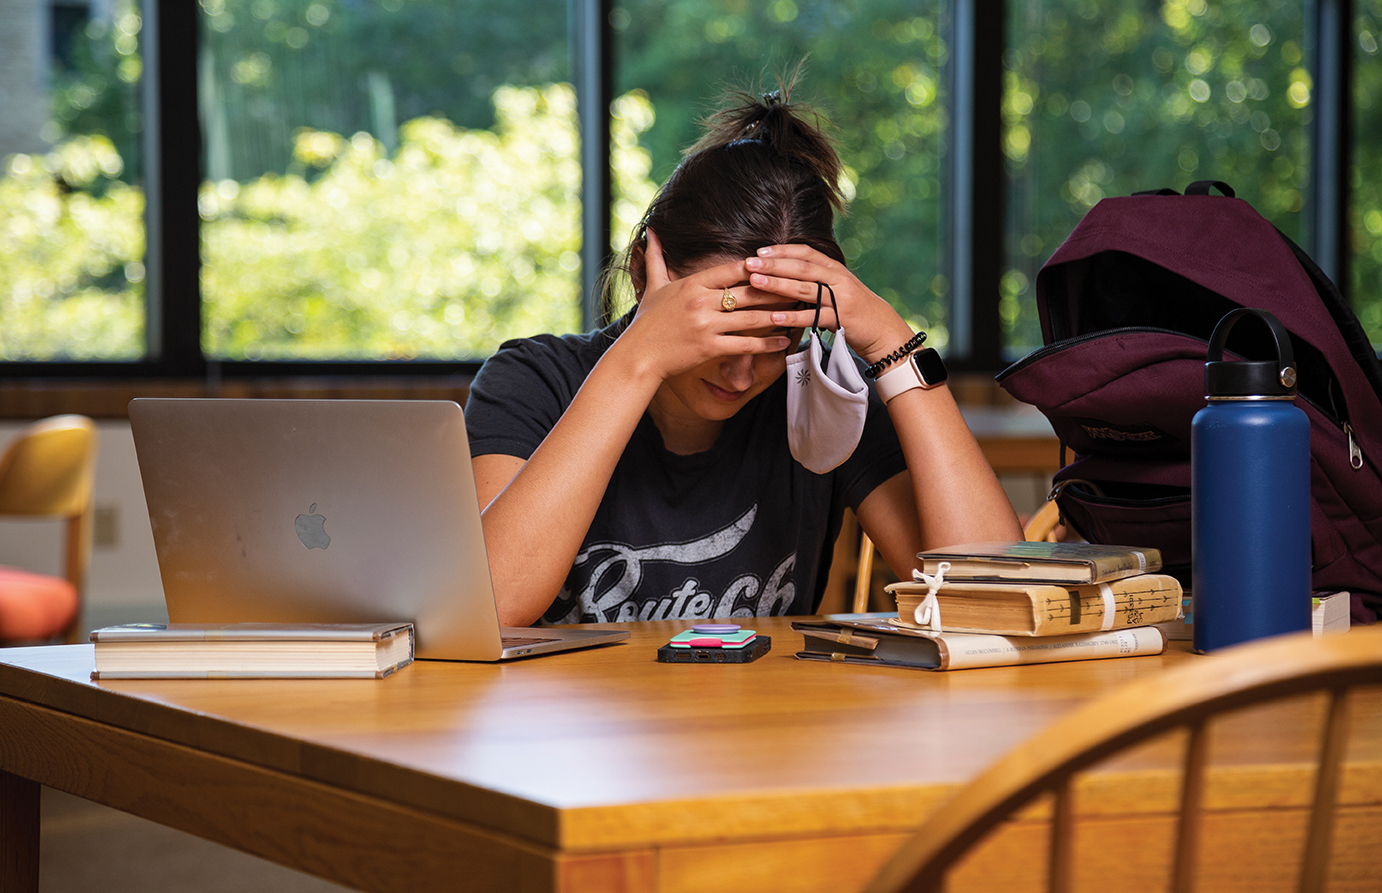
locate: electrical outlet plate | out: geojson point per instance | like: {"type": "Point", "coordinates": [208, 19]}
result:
{"type": "Point", "coordinates": [105, 532]}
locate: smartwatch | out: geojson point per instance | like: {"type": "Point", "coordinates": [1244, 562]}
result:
{"type": "Point", "coordinates": [920, 369]}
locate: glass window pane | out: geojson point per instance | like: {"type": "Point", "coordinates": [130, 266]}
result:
{"type": "Point", "coordinates": [1111, 97]}
{"type": "Point", "coordinates": [876, 72]}
{"type": "Point", "coordinates": [1365, 213]}
{"type": "Point", "coordinates": [386, 179]}
{"type": "Point", "coordinates": [71, 196]}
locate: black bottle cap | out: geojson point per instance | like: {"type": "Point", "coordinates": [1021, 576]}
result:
{"type": "Point", "coordinates": [1250, 378]}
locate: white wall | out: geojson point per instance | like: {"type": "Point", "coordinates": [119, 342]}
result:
{"type": "Point", "coordinates": [123, 573]}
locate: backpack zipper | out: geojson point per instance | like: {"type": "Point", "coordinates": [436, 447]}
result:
{"type": "Point", "coordinates": [1355, 455]}
{"type": "Point", "coordinates": [1094, 495]}
{"type": "Point", "coordinates": [1048, 349]}
{"type": "Point", "coordinates": [1061, 485]}
{"type": "Point", "coordinates": [1355, 452]}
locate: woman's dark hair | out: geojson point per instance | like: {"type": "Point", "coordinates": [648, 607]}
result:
{"type": "Point", "coordinates": [764, 173]}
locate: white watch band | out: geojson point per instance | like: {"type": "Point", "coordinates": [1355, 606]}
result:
{"type": "Point", "coordinates": [901, 378]}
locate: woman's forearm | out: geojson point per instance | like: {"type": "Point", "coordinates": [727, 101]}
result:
{"type": "Point", "coordinates": [958, 497]}
{"type": "Point", "coordinates": [536, 513]}
{"type": "Point", "coordinates": [948, 495]}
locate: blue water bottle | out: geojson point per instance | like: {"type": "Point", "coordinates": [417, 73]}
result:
{"type": "Point", "coordinates": [1249, 495]}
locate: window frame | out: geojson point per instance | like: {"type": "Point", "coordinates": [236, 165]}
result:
{"type": "Point", "coordinates": [975, 209]}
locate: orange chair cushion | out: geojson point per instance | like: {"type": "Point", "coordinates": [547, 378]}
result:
{"type": "Point", "coordinates": [34, 606]}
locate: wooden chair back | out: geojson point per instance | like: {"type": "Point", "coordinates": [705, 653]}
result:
{"type": "Point", "coordinates": [1040, 527]}
{"type": "Point", "coordinates": [1186, 697]}
{"type": "Point", "coordinates": [48, 471]}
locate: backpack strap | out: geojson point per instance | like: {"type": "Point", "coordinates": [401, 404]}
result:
{"type": "Point", "coordinates": [1199, 187]}
{"type": "Point", "coordinates": [1355, 337]}
{"type": "Point", "coordinates": [1202, 187]}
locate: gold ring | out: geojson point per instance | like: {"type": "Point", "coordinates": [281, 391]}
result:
{"type": "Point", "coordinates": [727, 301]}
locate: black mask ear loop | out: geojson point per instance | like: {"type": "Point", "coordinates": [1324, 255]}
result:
{"type": "Point", "coordinates": [816, 323]}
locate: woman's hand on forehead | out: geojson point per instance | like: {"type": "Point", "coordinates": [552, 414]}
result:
{"type": "Point", "coordinates": [800, 274]}
{"type": "Point", "coordinates": [684, 320]}
{"type": "Point", "coordinates": [766, 302]}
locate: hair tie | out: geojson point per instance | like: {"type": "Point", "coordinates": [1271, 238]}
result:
{"type": "Point", "coordinates": [772, 99]}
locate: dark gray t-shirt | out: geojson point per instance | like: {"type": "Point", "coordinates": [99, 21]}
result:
{"type": "Point", "coordinates": [739, 530]}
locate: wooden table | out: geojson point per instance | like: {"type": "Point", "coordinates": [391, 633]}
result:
{"type": "Point", "coordinates": [597, 770]}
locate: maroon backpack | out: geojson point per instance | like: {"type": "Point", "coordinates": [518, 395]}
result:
{"type": "Point", "coordinates": [1127, 305]}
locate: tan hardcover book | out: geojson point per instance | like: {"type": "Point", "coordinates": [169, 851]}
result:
{"type": "Point", "coordinates": [1041, 562]}
{"type": "Point", "coordinates": [1043, 609]}
{"type": "Point", "coordinates": [251, 650]}
{"type": "Point", "coordinates": [877, 643]}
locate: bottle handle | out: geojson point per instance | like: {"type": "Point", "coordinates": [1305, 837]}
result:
{"type": "Point", "coordinates": [1284, 355]}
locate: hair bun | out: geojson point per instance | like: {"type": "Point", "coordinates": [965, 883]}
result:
{"type": "Point", "coordinates": [794, 132]}
{"type": "Point", "coordinates": [764, 172]}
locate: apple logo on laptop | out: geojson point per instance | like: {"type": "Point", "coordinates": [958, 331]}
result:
{"type": "Point", "coordinates": [311, 529]}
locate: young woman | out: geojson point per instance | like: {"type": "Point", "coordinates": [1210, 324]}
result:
{"type": "Point", "coordinates": [643, 471]}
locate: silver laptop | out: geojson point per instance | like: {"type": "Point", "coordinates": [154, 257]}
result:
{"type": "Point", "coordinates": [327, 511]}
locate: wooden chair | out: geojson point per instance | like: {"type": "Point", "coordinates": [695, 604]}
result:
{"type": "Point", "coordinates": [1186, 697]}
{"type": "Point", "coordinates": [1040, 527]}
{"type": "Point", "coordinates": [1043, 523]}
{"type": "Point", "coordinates": [47, 471]}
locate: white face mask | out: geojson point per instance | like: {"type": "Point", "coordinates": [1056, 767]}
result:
{"type": "Point", "coordinates": [825, 407]}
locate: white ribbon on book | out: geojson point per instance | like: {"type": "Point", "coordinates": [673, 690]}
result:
{"type": "Point", "coordinates": [928, 612]}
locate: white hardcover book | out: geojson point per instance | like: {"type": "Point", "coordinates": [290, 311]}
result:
{"type": "Point", "coordinates": [884, 643]}
{"type": "Point", "coordinates": [1329, 613]}
{"type": "Point", "coordinates": [251, 650]}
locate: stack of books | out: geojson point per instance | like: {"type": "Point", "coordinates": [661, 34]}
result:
{"type": "Point", "coordinates": [1013, 603]}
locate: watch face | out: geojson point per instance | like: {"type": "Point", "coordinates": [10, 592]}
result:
{"type": "Point", "coordinates": [930, 366]}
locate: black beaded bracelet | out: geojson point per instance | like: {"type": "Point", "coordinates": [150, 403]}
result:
{"type": "Point", "coordinates": [912, 344]}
